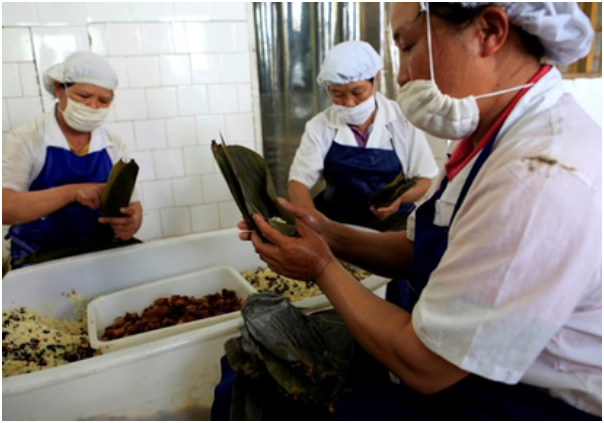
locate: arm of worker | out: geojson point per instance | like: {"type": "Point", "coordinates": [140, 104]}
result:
{"type": "Point", "coordinates": [300, 194]}
{"type": "Point", "coordinates": [25, 207]}
{"type": "Point", "coordinates": [413, 194]}
{"type": "Point", "coordinates": [126, 226]}
{"type": "Point", "coordinates": [388, 334]}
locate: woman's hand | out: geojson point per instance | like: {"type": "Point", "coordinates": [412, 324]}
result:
{"type": "Point", "coordinates": [386, 211]}
{"type": "Point", "coordinates": [89, 194]}
{"type": "Point", "coordinates": [303, 257]}
{"type": "Point", "coordinates": [126, 226]}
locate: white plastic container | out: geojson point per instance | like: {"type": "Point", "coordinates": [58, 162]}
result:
{"type": "Point", "coordinates": [103, 310]}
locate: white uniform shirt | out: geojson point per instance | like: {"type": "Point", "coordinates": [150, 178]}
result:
{"type": "Point", "coordinates": [517, 295]}
{"type": "Point", "coordinates": [24, 150]}
{"type": "Point", "coordinates": [390, 130]}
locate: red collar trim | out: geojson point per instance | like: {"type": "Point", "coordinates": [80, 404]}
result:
{"type": "Point", "coordinates": [465, 151]}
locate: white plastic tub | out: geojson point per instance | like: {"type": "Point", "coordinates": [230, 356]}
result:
{"type": "Point", "coordinates": [103, 310]}
{"type": "Point", "coordinates": [166, 379]}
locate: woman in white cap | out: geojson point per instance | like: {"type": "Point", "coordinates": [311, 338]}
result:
{"type": "Point", "coordinates": [506, 255]}
{"type": "Point", "coordinates": [54, 168]}
{"type": "Point", "coordinates": [358, 145]}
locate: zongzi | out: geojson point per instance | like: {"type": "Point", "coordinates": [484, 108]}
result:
{"type": "Point", "coordinates": [392, 190]}
{"type": "Point", "coordinates": [250, 183]}
{"type": "Point", "coordinates": [119, 188]}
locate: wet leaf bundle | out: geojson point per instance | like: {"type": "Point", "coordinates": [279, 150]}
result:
{"type": "Point", "coordinates": [392, 190]}
{"type": "Point", "coordinates": [119, 188]}
{"type": "Point", "coordinates": [305, 358]}
{"type": "Point", "coordinates": [251, 185]}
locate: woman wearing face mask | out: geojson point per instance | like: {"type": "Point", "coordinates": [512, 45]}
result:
{"type": "Point", "coordinates": [506, 255]}
{"type": "Point", "coordinates": [54, 168]}
{"type": "Point", "coordinates": [358, 145]}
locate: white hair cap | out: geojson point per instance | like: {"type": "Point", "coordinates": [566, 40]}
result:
{"type": "Point", "coordinates": [82, 67]}
{"type": "Point", "coordinates": [349, 61]}
{"type": "Point", "coordinates": [564, 30]}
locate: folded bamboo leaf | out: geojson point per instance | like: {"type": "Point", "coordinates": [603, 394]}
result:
{"type": "Point", "coordinates": [251, 185]}
{"type": "Point", "coordinates": [392, 190]}
{"type": "Point", "coordinates": [119, 188]}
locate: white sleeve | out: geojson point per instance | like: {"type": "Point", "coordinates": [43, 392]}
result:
{"type": "Point", "coordinates": [420, 159]}
{"type": "Point", "coordinates": [307, 166]}
{"type": "Point", "coordinates": [22, 151]}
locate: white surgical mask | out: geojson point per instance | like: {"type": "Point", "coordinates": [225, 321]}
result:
{"type": "Point", "coordinates": [83, 118]}
{"type": "Point", "coordinates": [438, 114]}
{"type": "Point", "coordinates": [358, 114]}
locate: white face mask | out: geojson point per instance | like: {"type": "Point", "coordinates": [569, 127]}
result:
{"type": "Point", "coordinates": [358, 114]}
{"type": "Point", "coordinates": [83, 118]}
{"type": "Point", "coordinates": [439, 114]}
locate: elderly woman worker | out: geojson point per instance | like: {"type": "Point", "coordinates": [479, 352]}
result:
{"type": "Point", "coordinates": [507, 253]}
{"type": "Point", "coordinates": [54, 168]}
{"type": "Point", "coordinates": [359, 144]}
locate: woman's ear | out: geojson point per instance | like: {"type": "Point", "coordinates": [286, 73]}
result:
{"type": "Point", "coordinates": [494, 29]}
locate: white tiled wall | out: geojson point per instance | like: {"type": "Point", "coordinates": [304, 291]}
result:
{"type": "Point", "coordinates": [187, 72]}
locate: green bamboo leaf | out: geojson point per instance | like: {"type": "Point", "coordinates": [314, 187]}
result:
{"type": "Point", "coordinates": [392, 190]}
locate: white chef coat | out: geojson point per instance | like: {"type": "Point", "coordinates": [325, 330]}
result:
{"type": "Point", "coordinates": [517, 296]}
{"type": "Point", "coordinates": [24, 150]}
{"type": "Point", "coordinates": [390, 130]}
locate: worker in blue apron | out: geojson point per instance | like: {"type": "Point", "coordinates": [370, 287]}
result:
{"type": "Point", "coordinates": [357, 145]}
{"type": "Point", "coordinates": [55, 168]}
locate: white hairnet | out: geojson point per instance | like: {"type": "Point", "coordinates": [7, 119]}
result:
{"type": "Point", "coordinates": [563, 29]}
{"type": "Point", "coordinates": [349, 61]}
{"type": "Point", "coordinates": [82, 67]}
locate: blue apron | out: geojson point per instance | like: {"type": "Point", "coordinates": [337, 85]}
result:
{"type": "Point", "coordinates": [352, 175]}
{"type": "Point", "coordinates": [431, 240]}
{"type": "Point", "coordinates": [72, 224]}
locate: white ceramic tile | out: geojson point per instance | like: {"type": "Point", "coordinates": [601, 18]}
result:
{"type": "Point", "coordinates": [125, 131]}
{"type": "Point", "coordinates": [175, 222]}
{"type": "Point", "coordinates": [99, 42]}
{"type": "Point", "coordinates": [150, 134]}
{"type": "Point", "coordinates": [48, 103]}
{"type": "Point", "coordinates": [245, 98]}
{"type": "Point", "coordinates": [151, 227]}
{"type": "Point", "coordinates": [194, 11]}
{"type": "Point", "coordinates": [143, 71]}
{"type": "Point", "coordinates": [240, 128]}
{"type": "Point", "coordinates": [168, 163]}
{"type": "Point", "coordinates": [130, 104]}
{"type": "Point", "coordinates": [230, 11]}
{"type": "Point", "coordinates": [29, 80]}
{"type": "Point", "coordinates": [206, 68]}
{"type": "Point", "coordinates": [53, 44]}
{"type": "Point", "coordinates": [215, 189]}
{"type": "Point", "coordinates": [187, 191]}
{"type": "Point", "coordinates": [120, 67]}
{"type": "Point", "coordinates": [220, 37]}
{"type": "Point", "coordinates": [193, 100]}
{"type": "Point", "coordinates": [199, 160]}
{"type": "Point", "coordinates": [157, 194]}
{"type": "Point", "coordinates": [59, 13]}
{"type": "Point", "coordinates": [21, 110]}
{"type": "Point", "coordinates": [189, 37]}
{"type": "Point", "coordinates": [152, 11]}
{"type": "Point", "coordinates": [161, 102]}
{"type": "Point", "coordinates": [16, 45]}
{"type": "Point", "coordinates": [222, 99]}
{"type": "Point", "coordinates": [123, 39]}
{"type": "Point", "coordinates": [175, 69]}
{"type": "Point", "coordinates": [6, 125]}
{"type": "Point", "coordinates": [236, 68]}
{"type": "Point", "coordinates": [209, 128]}
{"type": "Point", "coordinates": [156, 38]}
{"type": "Point", "coordinates": [205, 218]}
{"type": "Point", "coordinates": [109, 11]}
{"type": "Point", "coordinates": [229, 215]}
{"type": "Point", "coordinates": [146, 169]}
{"type": "Point", "coordinates": [181, 132]}
{"type": "Point", "coordinates": [19, 13]}
{"type": "Point", "coordinates": [11, 83]}
{"type": "Point", "coordinates": [242, 41]}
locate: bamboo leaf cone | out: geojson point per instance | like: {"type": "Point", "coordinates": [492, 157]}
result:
{"type": "Point", "coordinates": [251, 185]}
